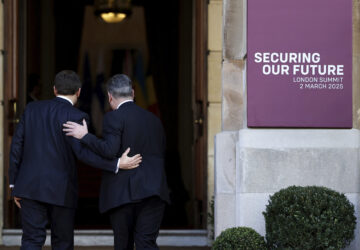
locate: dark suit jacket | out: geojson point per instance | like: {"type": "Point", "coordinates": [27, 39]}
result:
{"type": "Point", "coordinates": [42, 157]}
{"type": "Point", "coordinates": [134, 127]}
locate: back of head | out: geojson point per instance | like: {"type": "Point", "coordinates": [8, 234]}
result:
{"type": "Point", "coordinates": [120, 86]}
{"type": "Point", "coordinates": [67, 82]}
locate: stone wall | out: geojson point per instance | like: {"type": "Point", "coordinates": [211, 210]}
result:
{"type": "Point", "coordinates": [251, 164]}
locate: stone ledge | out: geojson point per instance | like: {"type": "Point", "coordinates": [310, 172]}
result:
{"type": "Point", "coordinates": [299, 138]}
{"type": "Point", "coordinates": [12, 237]}
{"type": "Point", "coordinates": [270, 159]}
{"type": "Point", "coordinates": [267, 170]}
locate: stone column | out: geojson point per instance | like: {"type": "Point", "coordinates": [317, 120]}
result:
{"type": "Point", "coordinates": [233, 112]}
{"type": "Point", "coordinates": [251, 164]}
{"type": "Point", "coordinates": [215, 18]}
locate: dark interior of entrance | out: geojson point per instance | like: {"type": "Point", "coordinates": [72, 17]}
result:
{"type": "Point", "coordinates": [155, 46]}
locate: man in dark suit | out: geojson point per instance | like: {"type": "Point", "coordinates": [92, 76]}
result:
{"type": "Point", "coordinates": [135, 199]}
{"type": "Point", "coordinates": [43, 171]}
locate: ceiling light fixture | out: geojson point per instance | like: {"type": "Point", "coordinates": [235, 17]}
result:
{"type": "Point", "coordinates": [112, 11]}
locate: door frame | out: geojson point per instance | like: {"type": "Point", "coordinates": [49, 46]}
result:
{"type": "Point", "coordinates": [200, 109]}
{"type": "Point", "coordinates": [10, 90]}
{"type": "Point", "coordinates": [14, 88]}
{"type": "Point", "coordinates": [14, 91]}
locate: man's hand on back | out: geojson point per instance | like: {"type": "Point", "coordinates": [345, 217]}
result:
{"type": "Point", "coordinates": [76, 130]}
{"type": "Point", "coordinates": [127, 162]}
{"type": "Point", "coordinates": [79, 131]}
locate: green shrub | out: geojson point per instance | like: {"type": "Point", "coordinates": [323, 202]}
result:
{"type": "Point", "coordinates": [309, 218]}
{"type": "Point", "coordinates": [239, 238]}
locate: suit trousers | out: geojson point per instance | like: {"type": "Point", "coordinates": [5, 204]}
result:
{"type": "Point", "coordinates": [137, 223]}
{"type": "Point", "coordinates": [36, 215]}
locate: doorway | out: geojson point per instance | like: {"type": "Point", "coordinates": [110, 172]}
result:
{"type": "Point", "coordinates": [162, 46]}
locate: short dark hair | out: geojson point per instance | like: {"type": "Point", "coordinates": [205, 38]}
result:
{"type": "Point", "coordinates": [120, 86]}
{"type": "Point", "coordinates": [67, 82]}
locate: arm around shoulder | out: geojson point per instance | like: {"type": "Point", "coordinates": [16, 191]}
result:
{"type": "Point", "coordinates": [109, 146]}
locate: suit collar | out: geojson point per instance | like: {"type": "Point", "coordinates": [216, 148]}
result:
{"type": "Point", "coordinates": [63, 100]}
{"type": "Point", "coordinates": [66, 98]}
{"type": "Point", "coordinates": [125, 103]}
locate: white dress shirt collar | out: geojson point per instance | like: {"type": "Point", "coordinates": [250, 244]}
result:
{"type": "Point", "coordinates": [65, 98]}
{"type": "Point", "coordinates": [123, 103]}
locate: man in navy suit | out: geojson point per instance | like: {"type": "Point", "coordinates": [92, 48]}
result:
{"type": "Point", "coordinates": [43, 171]}
{"type": "Point", "coordinates": [135, 199]}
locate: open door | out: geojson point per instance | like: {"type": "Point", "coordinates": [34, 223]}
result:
{"type": "Point", "coordinates": [27, 28]}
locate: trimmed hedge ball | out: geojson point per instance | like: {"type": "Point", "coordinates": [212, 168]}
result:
{"type": "Point", "coordinates": [243, 238]}
{"type": "Point", "coordinates": [309, 218]}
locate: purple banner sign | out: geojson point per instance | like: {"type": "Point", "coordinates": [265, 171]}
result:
{"type": "Point", "coordinates": [299, 71]}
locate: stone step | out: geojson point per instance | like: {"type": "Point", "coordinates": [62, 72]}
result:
{"type": "Point", "coordinates": [104, 238]}
{"type": "Point", "coordinates": [111, 248]}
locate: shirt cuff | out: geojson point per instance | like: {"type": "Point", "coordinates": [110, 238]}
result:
{"type": "Point", "coordinates": [12, 185]}
{"type": "Point", "coordinates": [117, 166]}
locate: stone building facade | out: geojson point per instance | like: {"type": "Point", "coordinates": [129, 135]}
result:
{"type": "Point", "coordinates": [247, 165]}
{"type": "Point", "coordinates": [253, 163]}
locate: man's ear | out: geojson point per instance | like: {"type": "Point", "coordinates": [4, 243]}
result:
{"type": "Point", "coordinates": [133, 93]}
{"type": "Point", "coordinates": [78, 93]}
{"type": "Point", "coordinates": [55, 91]}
